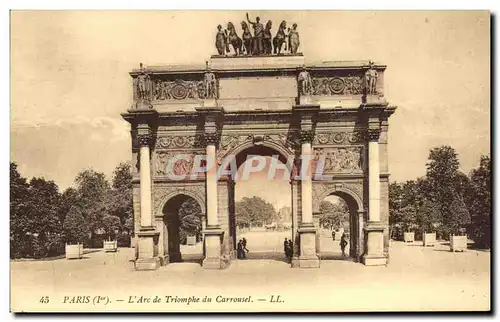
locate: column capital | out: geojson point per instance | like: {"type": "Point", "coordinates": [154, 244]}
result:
{"type": "Point", "coordinates": [211, 138]}
{"type": "Point", "coordinates": [306, 136]}
{"type": "Point", "coordinates": [144, 136]}
{"type": "Point", "coordinates": [373, 134]}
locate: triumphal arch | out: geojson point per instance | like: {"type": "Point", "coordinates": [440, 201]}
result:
{"type": "Point", "coordinates": [253, 99]}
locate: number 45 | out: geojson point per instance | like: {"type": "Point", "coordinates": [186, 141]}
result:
{"type": "Point", "coordinates": [44, 299]}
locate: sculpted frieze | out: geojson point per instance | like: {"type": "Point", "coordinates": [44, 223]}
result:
{"type": "Point", "coordinates": [340, 160]}
{"type": "Point", "coordinates": [178, 90]}
{"type": "Point", "coordinates": [174, 163]}
{"type": "Point", "coordinates": [341, 85]}
{"type": "Point", "coordinates": [337, 138]}
{"type": "Point", "coordinates": [171, 142]}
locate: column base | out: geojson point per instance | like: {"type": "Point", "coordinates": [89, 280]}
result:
{"type": "Point", "coordinates": [374, 253]}
{"type": "Point", "coordinates": [147, 264]}
{"type": "Point", "coordinates": [308, 257]}
{"type": "Point", "coordinates": [212, 263]}
{"type": "Point", "coordinates": [374, 260]}
{"type": "Point", "coordinates": [213, 238]}
{"type": "Point", "coordinates": [308, 262]}
{"type": "Point", "coordinates": [146, 253]}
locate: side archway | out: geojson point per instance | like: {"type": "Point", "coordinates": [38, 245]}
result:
{"type": "Point", "coordinates": [352, 197]}
{"type": "Point", "coordinates": [182, 222]}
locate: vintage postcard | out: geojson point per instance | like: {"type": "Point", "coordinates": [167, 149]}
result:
{"type": "Point", "coordinates": [260, 161]}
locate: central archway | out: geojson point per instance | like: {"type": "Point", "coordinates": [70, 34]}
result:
{"type": "Point", "coordinates": [265, 194]}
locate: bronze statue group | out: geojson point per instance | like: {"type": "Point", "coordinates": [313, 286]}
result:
{"type": "Point", "coordinates": [261, 42]}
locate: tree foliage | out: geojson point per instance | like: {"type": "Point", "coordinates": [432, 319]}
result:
{"type": "Point", "coordinates": [254, 211]}
{"type": "Point", "coordinates": [333, 214]}
{"type": "Point", "coordinates": [42, 219]}
{"type": "Point", "coordinates": [445, 199]}
{"type": "Point", "coordinates": [480, 203]}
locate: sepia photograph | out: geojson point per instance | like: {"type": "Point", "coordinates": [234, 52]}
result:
{"type": "Point", "coordinates": [250, 161]}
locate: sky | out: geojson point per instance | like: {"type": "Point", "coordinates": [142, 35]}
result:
{"type": "Point", "coordinates": [70, 82]}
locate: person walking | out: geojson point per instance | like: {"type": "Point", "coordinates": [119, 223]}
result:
{"type": "Point", "coordinates": [343, 244]}
{"type": "Point", "coordinates": [239, 250]}
{"type": "Point", "coordinates": [244, 244]}
{"type": "Point", "coordinates": [285, 247]}
{"type": "Point", "coordinates": [290, 250]}
{"type": "Point", "coordinates": [333, 235]}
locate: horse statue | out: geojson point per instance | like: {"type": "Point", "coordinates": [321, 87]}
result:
{"type": "Point", "coordinates": [280, 38]}
{"type": "Point", "coordinates": [247, 38]}
{"type": "Point", "coordinates": [233, 39]}
{"type": "Point", "coordinates": [268, 49]}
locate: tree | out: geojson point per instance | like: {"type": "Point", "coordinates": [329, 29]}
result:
{"type": "Point", "coordinates": [111, 225]}
{"type": "Point", "coordinates": [68, 199]}
{"type": "Point", "coordinates": [448, 186]}
{"type": "Point", "coordinates": [408, 217]}
{"type": "Point", "coordinates": [93, 191]}
{"type": "Point", "coordinates": [20, 223]}
{"type": "Point", "coordinates": [427, 216]}
{"type": "Point", "coordinates": [480, 203]}
{"type": "Point", "coordinates": [254, 211]}
{"type": "Point", "coordinates": [76, 229]}
{"type": "Point", "coordinates": [44, 207]}
{"type": "Point", "coordinates": [120, 199]}
{"type": "Point", "coordinates": [459, 215]}
{"type": "Point", "coordinates": [333, 214]}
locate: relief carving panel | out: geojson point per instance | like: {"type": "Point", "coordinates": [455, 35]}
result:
{"type": "Point", "coordinates": [174, 163]}
{"type": "Point", "coordinates": [344, 160]}
{"type": "Point", "coordinates": [341, 85]}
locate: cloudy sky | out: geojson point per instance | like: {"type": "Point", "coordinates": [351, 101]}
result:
{"type": "Point", "coordinates": [70, 82]}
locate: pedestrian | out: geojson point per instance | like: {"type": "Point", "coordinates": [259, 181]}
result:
{"type": "Point", "coordinates": [239, 250]}
{"type": "Point", "coordinates": [290, 250]}
{"type": "Point", "coordinates": [343, 243]}
{"type": "Point", "coordinates": [285, 247]}
{"type": "Point", "coordinates": [244, 244]}
{"type": "Point", "coordinates": [333, 235]}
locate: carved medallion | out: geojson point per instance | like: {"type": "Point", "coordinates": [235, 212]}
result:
{"type": "Point", "coordinates": [337, 85]}
{"type": "Point", "coordinates": [323, 138]}
{"type": "Point", "coordinates": [179, 92]}
{"type": "Point", "coordinates": [338, 137]}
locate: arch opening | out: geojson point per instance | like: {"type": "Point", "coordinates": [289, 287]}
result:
{"type": "Point", "coordinates": [262, 202]}
{"type": "Point", "coordinates": [183, 221]}
{"type": "Point", "coordinates": [339, 221]}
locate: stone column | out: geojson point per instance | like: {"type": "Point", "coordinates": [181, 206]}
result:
{"type": "Point", "coordinates": [147, 253]}
{"type": "Point", "coordinates": [213, 233]}
{"type": "Point", "coordinates": [308, 256]}
{"type": "Point", "coordinates": [374, 253]}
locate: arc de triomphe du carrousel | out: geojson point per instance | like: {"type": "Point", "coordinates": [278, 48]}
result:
{"type": "Point", "coordinates": [326, 122]}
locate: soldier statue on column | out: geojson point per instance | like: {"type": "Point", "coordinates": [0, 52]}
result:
{"type": "Point", "coordinates": [371, 76]}
{"type": "Point", "coordinates": [305, 82]}
{"type": "Point", "coordinates": [210, 83]}
{"type": "Point", "coordinates": [143, 81]}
